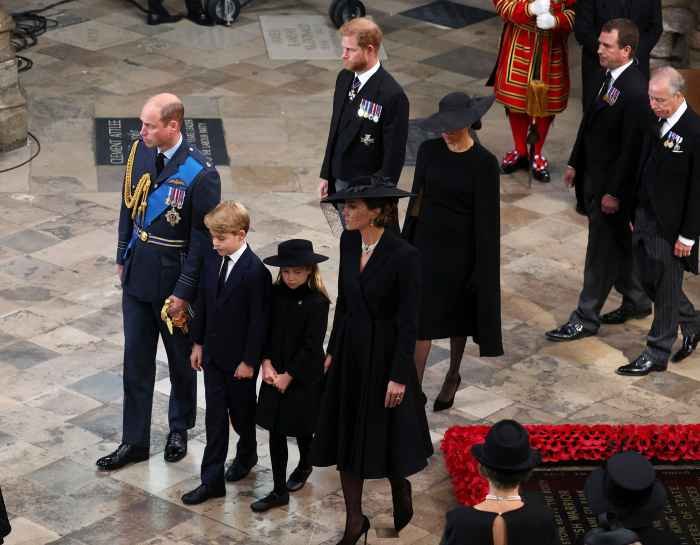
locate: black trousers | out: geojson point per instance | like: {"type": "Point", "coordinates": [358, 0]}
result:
{"type": "Point", "coordinates": [142, 325]}
{"type": "Point", "coordinates": [609, 262]}
{"type": "Point", "coordinates": [279, 455]}
{"type": "Point", "coordinates": [662, 278]}
{"type": "Point", "coordinates": [228, 399]}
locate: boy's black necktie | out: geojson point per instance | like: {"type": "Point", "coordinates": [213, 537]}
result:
{"type": "Point", "coordinates": [222, 275]}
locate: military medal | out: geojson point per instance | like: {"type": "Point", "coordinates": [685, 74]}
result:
{"type": "Point", "coordinates": [175, 199]}
{"type": "Point", "coordinates": [362, 110]}
{"type": "Point", "coordinates": [377, 113]}
{"type": "Point", "coordinates": [173, 217]}
{"type": "Point", "coordinates": [367, 140]}
{"type": "Point", "coordinates": [612, 95]}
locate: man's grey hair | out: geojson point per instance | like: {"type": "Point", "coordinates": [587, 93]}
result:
{"type": "Point", "coordinates": [675, 79]}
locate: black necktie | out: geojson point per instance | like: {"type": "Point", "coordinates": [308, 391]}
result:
{"type": "Point", "coordinates": [354, 89]}
{"type": "Point", "coordinates": [659, 124]}
{"type": "Point", "coordinates": [160, 163]}
{"type": "Point", "coordinates": [222, 275]}
{"type": "Point", "coordinates": [606, 84]}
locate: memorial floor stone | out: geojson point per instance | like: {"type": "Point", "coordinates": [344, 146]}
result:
{"type": "Point", "coordinates": [448, 14]}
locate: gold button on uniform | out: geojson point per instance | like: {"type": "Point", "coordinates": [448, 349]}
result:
{"type": "Point", "coordinates": [143, 235]}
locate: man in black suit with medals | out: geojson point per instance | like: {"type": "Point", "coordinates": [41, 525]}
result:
{"type": "Point", "coordinates": [602, 167]}
{"type": "Point", "coordinates": [591, 15]}
{"type": "Point", "coordinates": [369, 126]}
{"type": "Point", "coordinates": [169, 186]}
{"type": "Point", "coordinates": [667, 221]}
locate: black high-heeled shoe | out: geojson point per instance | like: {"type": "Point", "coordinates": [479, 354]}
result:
{"type": "Point", "coordinates": [402, 498]}
{"type": "Point", "coordinates": [352, 540]}
{"type": "Point", "coordinates": [442, 405]}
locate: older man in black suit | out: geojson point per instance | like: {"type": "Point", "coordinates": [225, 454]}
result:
{"type": "Point", "coordinates": [667, 221]}
{"type": "Point", "coordinates": [369, 127]}
{"type": "Point", "coordinates": [591, 15]}
{"type": "Point", "coordinates": [602, 167]}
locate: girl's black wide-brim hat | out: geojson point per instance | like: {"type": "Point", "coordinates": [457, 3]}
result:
{"type": "Point", "coordinates": [297, 252]}
{"type": "Point", "coordinates": [368, 187]}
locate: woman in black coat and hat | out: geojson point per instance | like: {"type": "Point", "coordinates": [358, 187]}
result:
{"type": "Point", "coordinates": [372, 424]}
{"type": "Point", "coordinates": [454, 221]}
{"type": "Point", "coordinates": [292, 366]}
{"type": "Point", "coordinates": [626, 494]}
{"type": "Point", "coordinates": [504, 517]}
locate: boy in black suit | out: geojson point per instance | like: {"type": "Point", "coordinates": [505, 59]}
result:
{"type": "Point", "coordinates": [228, 332]}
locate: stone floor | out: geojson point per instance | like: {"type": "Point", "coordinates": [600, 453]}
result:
{"type": "Point", "coordinates": [60, 322]}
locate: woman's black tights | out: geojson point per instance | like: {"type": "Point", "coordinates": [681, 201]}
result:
{"type": "Point", "coordinates": [279, 456]}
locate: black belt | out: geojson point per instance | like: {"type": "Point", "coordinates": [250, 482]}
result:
{"type": "Point", "coordinates": [148, 238]}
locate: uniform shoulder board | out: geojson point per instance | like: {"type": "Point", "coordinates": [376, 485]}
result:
{"type": "Point", "coordinates": [199, 156]}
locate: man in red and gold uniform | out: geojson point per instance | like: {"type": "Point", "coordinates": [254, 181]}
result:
{"type": "Point", "coordinates": [533, 47]}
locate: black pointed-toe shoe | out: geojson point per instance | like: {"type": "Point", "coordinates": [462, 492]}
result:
{"type": "Point", "coordinates": [568, 332]}
{"type": "Point", "coordinates": [273, 499]}
{"type": "Point", "coordinates": [239, 470]}
{"type": "Point", "coordinates": [175, 446]}
{"type": "Point", "coordinates": [621, 315]}
{"type": "Point", "coordinates": [640, 367]}
{"type": "Point", "coordinates": [689, 345]}
{"type": "Point", "coordinates": [203, 493]}
{"type": "Point", "coordinates": [298, 478]}
{"type": "Point", "coordinates": [402, 500]}
{"type": "Point", "coordinates": [162, 18]}
{"type": "Point", "coordinates": [124, 455]}
{"type": "Point", "coordinates": [441, 405]}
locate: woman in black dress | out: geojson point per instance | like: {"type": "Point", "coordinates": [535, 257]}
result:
{"type": "Point", "coordinates": [454, 221]}
{"type": "Point", "coordinates": [372, 424]}
{"type": "Point", "coordinates": [504, 517]}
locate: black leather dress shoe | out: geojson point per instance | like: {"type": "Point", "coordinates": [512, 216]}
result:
{"type": "Point", "coordinates": [643, 365]}
{"type": "Point", "coordinates": [689, 345]}
{"type": "Point", "coordinates": [124, 455]}
{"type": "Point", "coordinates": [203, 493]}
{"type": "Point", "coordinates": [273, 499]}
{"type": "Point", "coordinates": [568, 332]}
{"type": "Point", "coordinates": [621, 315]}
{"type": "Point", "coordinates": [175, 446]}
{"type": "Point", "coordinates": [199, 17]}
{"type": "Point", "coordinates": [239, 470]}
{"type": "Point", "coordinates": [162, 18]}
{"type": "Point", "coordinates": [298, 478]}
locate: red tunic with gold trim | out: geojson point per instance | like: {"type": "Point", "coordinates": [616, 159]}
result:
{"type": "Point", "coordinates": [515, 59]}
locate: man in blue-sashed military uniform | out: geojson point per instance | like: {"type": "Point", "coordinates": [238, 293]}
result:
{"type": "Point", "coordinates": [169, 187]}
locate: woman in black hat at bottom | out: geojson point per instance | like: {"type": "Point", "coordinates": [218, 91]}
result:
{"type": "Point", "coordinates": [372, 424]}
{"type": "Point", "coordinates": [503, 518]}
{"type": "Point", "coordinates": [629, 496]}
{"type": "Point", "coordinates": [292, 366]}
{"type": "Point", "coordinates": [454, 221]}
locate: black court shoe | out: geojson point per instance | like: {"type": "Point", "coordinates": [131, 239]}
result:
{"type": "Point", "coordinates": [402, 498]}
{"type": "Point", "coordinates": [440, 405]}
{"type": "Point", "coordinates": [351, 540]}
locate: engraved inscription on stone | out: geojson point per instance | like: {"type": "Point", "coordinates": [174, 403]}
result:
{"type": "Point", "coordinates": [302, 37]}
{"type": "Point", "coordinates": [562, 492]}
{"type": "Point", "coordinates": [115, 135]}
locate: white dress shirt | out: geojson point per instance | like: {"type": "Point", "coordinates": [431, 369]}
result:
{"type": "Point", "coordinates": [667, 126]}
{"type": "Point", "coordinates": [171, 151]}
{"type": "Point", "coordinates": [364, 76]}
{"type": "Point", "coordinates": [617, 72]}
{"type": "Point", "coordinates": [234, 257]}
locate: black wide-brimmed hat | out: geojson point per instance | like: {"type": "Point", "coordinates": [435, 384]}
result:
{"type": "Point", "coordinates": [627, 487]}
{"type": "Point", "coordinates": [507, 448]}
{"type": "Point", "coordinates": [457, 111]}
{"type": "Point", "coordinates": [297, 252]}
{"type": "Point", "coordinates": [368, 187]}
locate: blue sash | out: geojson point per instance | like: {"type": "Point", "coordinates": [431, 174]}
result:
{"type": "Point", "coordinates": [185, 173]}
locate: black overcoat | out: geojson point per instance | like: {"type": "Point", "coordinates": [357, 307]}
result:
{"type": "Point", "coordinates": [294, 345]}
{"type": "Point", "coordinates": [372, 342]}
{"type": "Point", "coordinates": [484, 294]}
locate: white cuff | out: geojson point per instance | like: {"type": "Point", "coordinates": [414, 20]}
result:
{"type": "Point", "coordinates": [686, 241]}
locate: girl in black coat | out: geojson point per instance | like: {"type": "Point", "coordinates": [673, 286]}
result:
{"type": "Point", "coordinates": [292, 367]}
